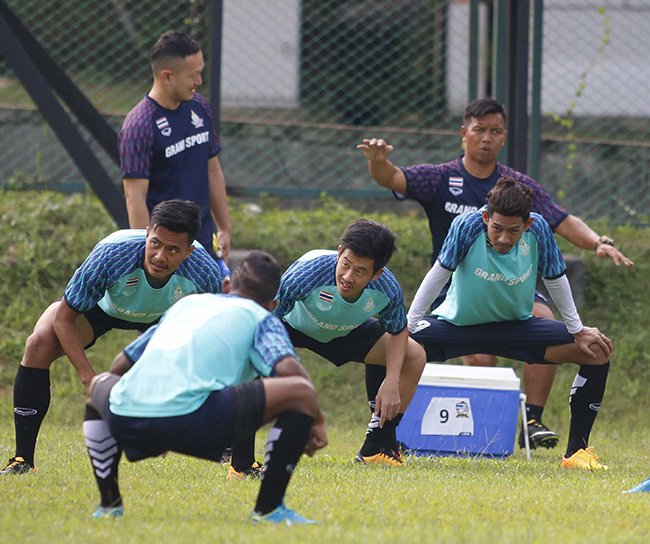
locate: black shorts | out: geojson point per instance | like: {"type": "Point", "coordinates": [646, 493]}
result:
{"type": "Point", "coordinates": [524, 340]}
{"type": "Point", "coordinates": [225, 417]}
{"type": "Point", "coordinates": [101, 323]}
{"type": "Point", "coordinates": [354, 346]}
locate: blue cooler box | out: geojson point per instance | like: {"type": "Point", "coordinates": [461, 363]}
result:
{"type": "Point", "coordinates": [462, 410]}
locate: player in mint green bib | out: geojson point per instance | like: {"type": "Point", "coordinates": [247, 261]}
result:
{"type": "Point", "coordinates": [493, 257]}
{"type": "Point", "coordinates": [128, 281]}
{"type": "Point", "coordinates": [346, 306]}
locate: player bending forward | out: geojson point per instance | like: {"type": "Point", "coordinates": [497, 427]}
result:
{"type": "Point", "coordinates": [199, 369]}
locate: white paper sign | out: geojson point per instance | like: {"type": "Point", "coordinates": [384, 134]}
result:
{"type": "Point", "coordinates": [448, 416]}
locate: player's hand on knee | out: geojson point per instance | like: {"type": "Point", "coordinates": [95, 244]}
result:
{"type": "Point", "coordinates": [590, 340]}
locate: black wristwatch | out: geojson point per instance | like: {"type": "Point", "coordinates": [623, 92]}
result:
{"type": "Point", "coordinates": [604, 240]}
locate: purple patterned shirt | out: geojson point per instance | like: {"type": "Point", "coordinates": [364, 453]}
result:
{"type": "Point", "coordinates": [171, 149]}
{"type": "Point", "coordinates": [447, 190]}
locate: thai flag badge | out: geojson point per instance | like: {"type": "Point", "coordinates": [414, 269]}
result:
{"type": "Point", "coordinates": [456, 185]}
{"type": "Point", "coordinates": [163, 126]}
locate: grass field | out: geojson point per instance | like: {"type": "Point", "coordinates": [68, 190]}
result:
{"type": "Point", "coordinates": [179, 499]}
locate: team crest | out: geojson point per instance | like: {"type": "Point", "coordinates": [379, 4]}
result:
{"type": "Point", "coordinates": [196, 120]}
{"type": "Point", "coordinates": [524, 248]}
{"type": "Point", "coordinates": [456, 186]}
{"type": "Point", "coordinates": [178, 294]}
{"type": "Point", "coordinates": [370, 306]}
{"type": "Point", "coordinates": [163, 126]}
{"type": "Point", "coordinates": [462, 409]}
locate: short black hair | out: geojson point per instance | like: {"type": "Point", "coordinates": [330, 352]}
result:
{"type": "Point", "coordinates": [369, 239]}
{"type": "Point", "coordinates": [511, 198]}
{"type": "Point", "coordinates": [257, 277]}
{"type": "Point", "coordinates": [172, 44]}
{"type": "Point", "coordinates": [481, 108]}
{"type": "Point", "coordinates": [178, 216]}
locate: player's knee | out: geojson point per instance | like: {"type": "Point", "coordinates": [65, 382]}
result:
{"type": "Point", "coordinates": [41, 349]}
{"type": "Point", "coordinates": [601, 356]}
{"type": "Point", "coordinates": [479, 359]}
{"type": "Point", "coordinates": [416, 357]}
{"type": "Point", "coordinates": [304, 396]}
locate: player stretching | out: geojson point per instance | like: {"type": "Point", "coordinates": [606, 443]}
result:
{"type": "Point", "coordinates": [327, 302]}
{"type": "Point", "coordinates": [198, 368]}
{"type": "Point", "coordinates": [129, 279]}
{"type": "Point", "coordinates": [493, 256]}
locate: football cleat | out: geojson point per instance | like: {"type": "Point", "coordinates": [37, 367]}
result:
{"type": "Point", "coordinates": [281, 516]}
{"type": "Point", "coordinates": [585, 459]}
{"type": "Point", "coordinates": [539, 436]}
{"type": "Point", "coordinates": [384, 456]}
{"type": "Point", "coordinates": [253, 472]}
{"type": "Point", "coordinates": [17, 465]}
{"type": "Point", "coordinates": [643, 487]}
{"type": "Point", "coordinates": [108, 512]}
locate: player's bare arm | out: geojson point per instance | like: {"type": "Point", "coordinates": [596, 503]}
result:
{"type": "Point", "coordinates": [388, 401]}
{"type": "Point", "coordinates": [219, 205]}
{"type": "Point", "coordinates": [576, 231]}
{"type": "Point", "coordinates": [384, 172]}
{"type": "Point", "coordinates": [72, 330]}
{"type": "Point", "coordinates": [135, 192]}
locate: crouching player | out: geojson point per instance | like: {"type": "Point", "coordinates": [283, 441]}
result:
{"type": "Point", "coordinates": [190, 386]}
{"type": "Point", "coordinates": [493, 256]}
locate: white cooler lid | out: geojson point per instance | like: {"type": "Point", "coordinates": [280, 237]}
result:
{"type": "Point", "coordinates": [469, 376]}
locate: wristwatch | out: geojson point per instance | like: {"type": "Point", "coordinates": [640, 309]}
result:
{"type": "Point", "coordinates": [604, 240]}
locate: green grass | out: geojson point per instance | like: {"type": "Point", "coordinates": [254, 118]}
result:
{"type": "Point", "coordinates": [180, 499]}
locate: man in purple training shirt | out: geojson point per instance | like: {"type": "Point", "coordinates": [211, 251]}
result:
{"type": "Point", "coordinates": [169, 146]}
{"type": "Point", "coordinates": [449, 189]}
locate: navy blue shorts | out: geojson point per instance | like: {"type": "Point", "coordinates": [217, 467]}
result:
{"type": "Point", "coordinates": [225, 417]}
{"type": "Point", "coordinates": [101, 323]}
{"type": "Point", "coordinates": [354, 346]}
{"type": "Point", "coordinates": [524, 340]}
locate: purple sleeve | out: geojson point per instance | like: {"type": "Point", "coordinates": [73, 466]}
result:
{"type": "Point", "coordinates": [215, 148]}
{"type": "Point", "coordinates": [422, 181]}
{"type": "Point", "coordinates": [543, 204]}
{"type": "Point", "coordinates": [135, 142]}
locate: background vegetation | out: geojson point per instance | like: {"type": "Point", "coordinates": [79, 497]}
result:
{"type": "Point", "coordinates": [45, 236]}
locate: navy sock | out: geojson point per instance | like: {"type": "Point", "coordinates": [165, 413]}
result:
{"type": "Point", "coordinates": [534, 412]}
{"type": "Point", "coordinates": [285, 445]}
{"type": "Point", "coordinates": [104, 453]}
{"type": "Point", "coordinates": [31, 402]}
{"type": "Point", "coordinates": [384, 437]}
{"type": "Point", "coordinates": [243, 454]}
{"type": "Point", "coordinates": [586, 395]}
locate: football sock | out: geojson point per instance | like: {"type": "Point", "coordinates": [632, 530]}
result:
{"type": "Point", "coordinates": [586, 395]}
{"type": "Point", "coordinates": [285, 445]}
{"type": "Point", "coordinates": [243, 453]}
{"type": "Point", "coordinates": [31, 402]}
{"type": "Point", "coordinates": [375, 375]}
{"type": "Point", "coordinates": [378, 437]}
{"type": "Point", "coordinates": [534, 412]}
{"type": "Point", "coordinates": [105, 453]}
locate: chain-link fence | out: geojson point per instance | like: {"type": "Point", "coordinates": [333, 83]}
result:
{"type": "Point", "coordinates": [304, 81]}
